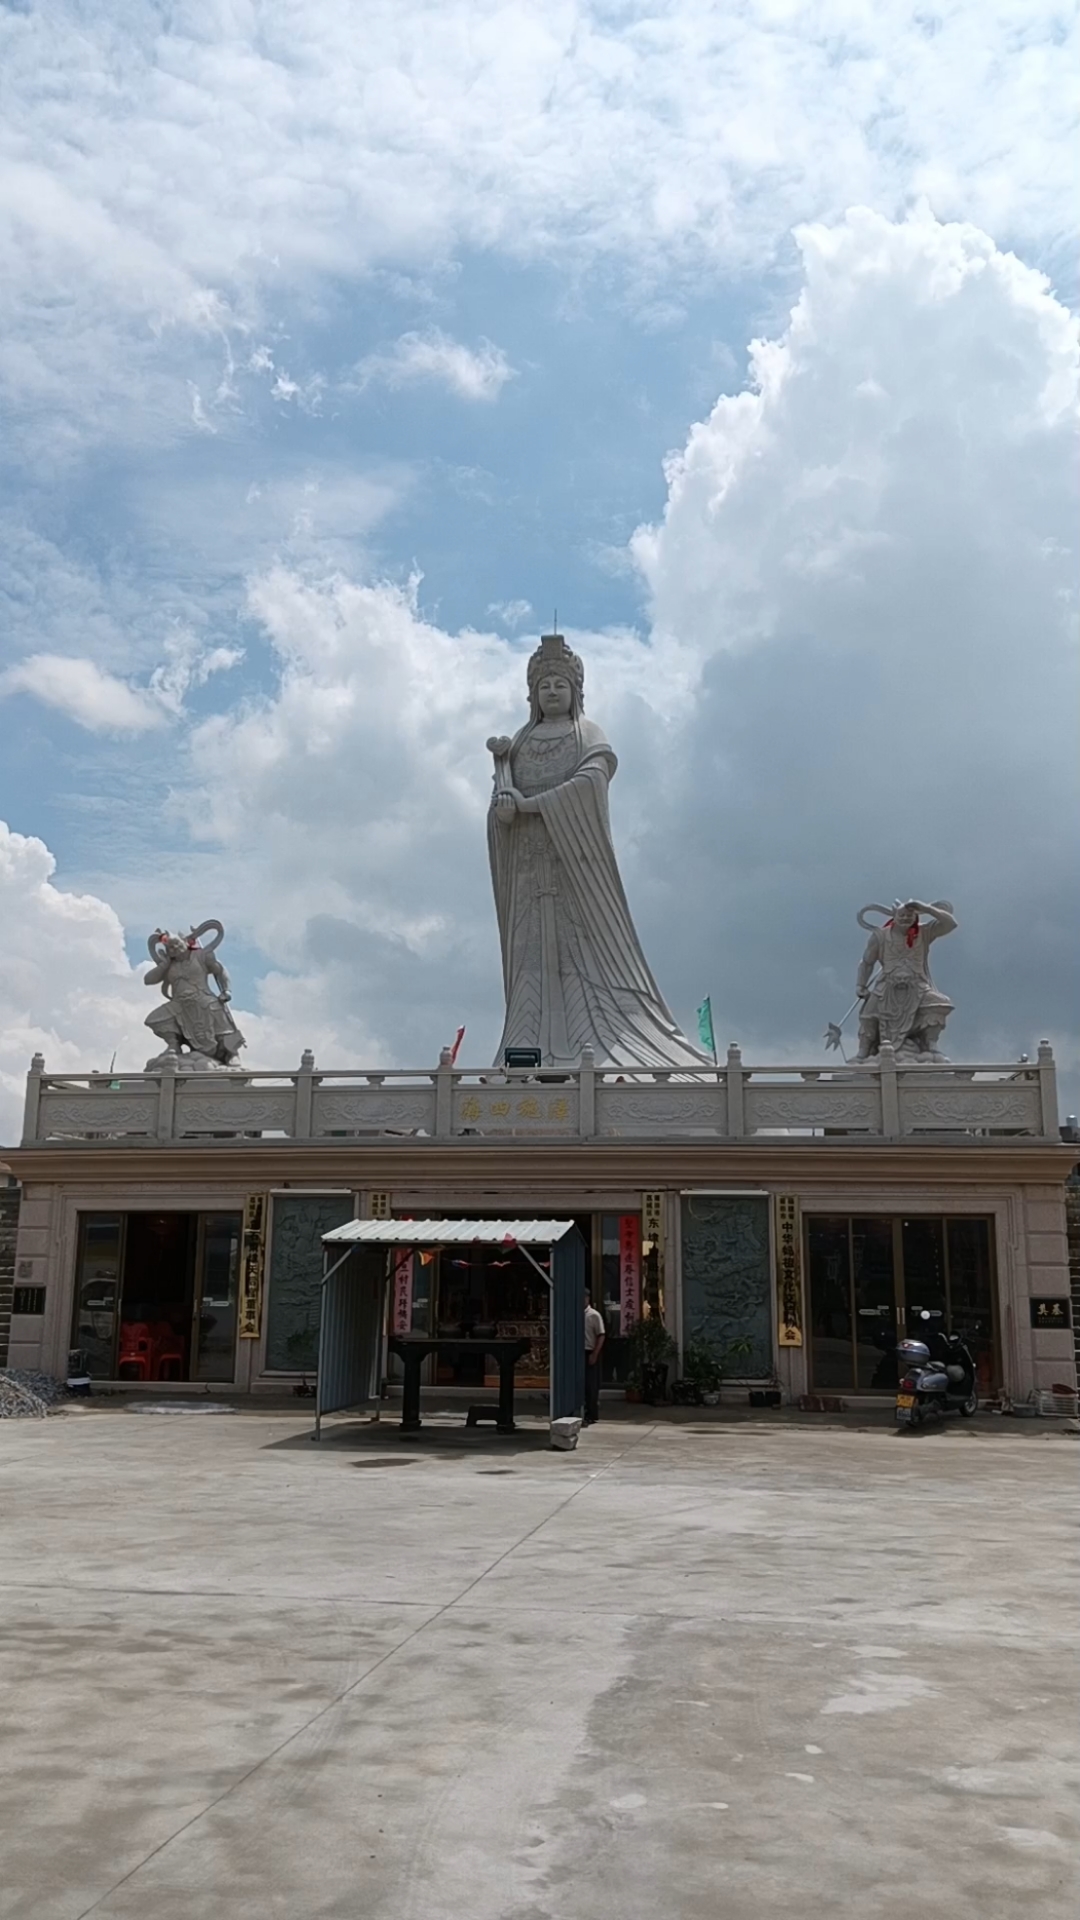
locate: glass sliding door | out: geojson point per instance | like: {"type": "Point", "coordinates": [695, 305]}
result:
{"type": "Point", "coordinates": [877, 1279]}
{"type": "Point", "coordinates": [831, 1311]}
{"type": "Point", "coordinates": [96, 1320]}
{"type": "Point", "coordinates": [970, 1270]}
{"type": "Point", "coordinates": [925, 1292]}
{"type": "Point", "coordinates": [156, 1295]}
{"type": "Point", "coordinates": [217, 1271]}
{"type": "Point", "coordinates": [873, 1268]}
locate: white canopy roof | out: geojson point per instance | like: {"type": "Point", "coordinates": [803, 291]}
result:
{"type": "Point", "coordinates": [447, 1233]}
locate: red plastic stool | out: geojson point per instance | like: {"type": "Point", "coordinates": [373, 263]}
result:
{"type": "Point", "coordinates": [168, 1351]}
{"type": "Point", "coordinates": [135, 1347]}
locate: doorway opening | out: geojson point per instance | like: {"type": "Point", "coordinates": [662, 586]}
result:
{"type": "Point", "coordinates": [878, 1278]}
{"type": "Point", "coordinates": [156, 1295]}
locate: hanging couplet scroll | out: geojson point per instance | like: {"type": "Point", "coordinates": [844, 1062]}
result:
{"type": "Point", "coordinates": [652, 1236]}
{"type": "Point", "coordinates": [789, 1316]}
{"type": "Point", "coordinates": [403, 1290]}
{"type": "Point", "coordinates": [629, 1271]}
{"type": "Point", "coordinates": [252, 1263]}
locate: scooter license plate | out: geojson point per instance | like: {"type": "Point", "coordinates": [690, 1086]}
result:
{"type": "Point", "coordinates": [905, 1399]}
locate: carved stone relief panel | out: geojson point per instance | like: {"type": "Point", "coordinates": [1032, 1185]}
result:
{"type": "Point", "coordinates": [660, 1109]}
{"type": "Point", "coordinates": [366, 1109]}
{"type": "Point", "coordinates": [233, 1111]}
{"type": "Point", "coordinates": [298, 1222]}
{"type": "Point", "coordinates": [812, 1106]}
{"type": "Point", "coordinates": [1009, 1108]}
{"type": "Point", "coordinates": [727, 1277]}
{"type": "Point", "coordinates": [103, 1112]}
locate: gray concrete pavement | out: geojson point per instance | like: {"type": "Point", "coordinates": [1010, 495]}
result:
{"type": "Point", "coordinates": [729, 1671]}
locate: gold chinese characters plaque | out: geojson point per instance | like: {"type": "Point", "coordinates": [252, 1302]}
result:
{"type": "Point", "coordinates": [789, 1272]}
{"type": "Point", "coordinates": [252, 1260]}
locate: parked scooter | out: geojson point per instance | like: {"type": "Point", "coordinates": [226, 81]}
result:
{"type": "Point", "coordinates": [944, 1384]}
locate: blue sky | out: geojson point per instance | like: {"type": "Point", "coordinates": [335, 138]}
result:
{"type": "Point", "coordinates": [332, 362]}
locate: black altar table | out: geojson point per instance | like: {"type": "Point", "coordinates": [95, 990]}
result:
{"type": "Point", "coordinates": [412, 1350]}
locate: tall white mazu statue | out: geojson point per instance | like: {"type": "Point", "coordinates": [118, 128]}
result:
{"type": "Point", "coordinates": [573, 969]}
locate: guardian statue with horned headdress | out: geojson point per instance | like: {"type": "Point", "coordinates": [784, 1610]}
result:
{"type": "Point", "coordinates": [194, 1020]}
{"type": "Point", "coordinates": [574, 973]}
{"type": "Point", "coordinates": [898, 1002]}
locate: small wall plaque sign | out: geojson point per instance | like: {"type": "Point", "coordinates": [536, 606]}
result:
{"type": "Point", "coordinates": [1053, 1312]}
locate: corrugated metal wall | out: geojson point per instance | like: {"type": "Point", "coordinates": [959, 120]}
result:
{"type": "Point", "coordinates": [350, 1333]}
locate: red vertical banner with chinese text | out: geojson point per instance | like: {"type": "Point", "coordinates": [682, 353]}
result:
{"type": "Point", "coordinates": [403, 1280]}
{"type": "Point", "coordinates": [629, 1271]}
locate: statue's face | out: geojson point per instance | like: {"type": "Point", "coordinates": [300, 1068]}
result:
{"type": "Point", "coordinates": [175, 947]}
{"type": "Point", "coordinates": [906, 918]}
{"type": "Point", "coordinates": [555, 696]}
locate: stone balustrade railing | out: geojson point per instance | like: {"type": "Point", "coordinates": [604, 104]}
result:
{"type": "Point", "coordinates": [887, 1100]}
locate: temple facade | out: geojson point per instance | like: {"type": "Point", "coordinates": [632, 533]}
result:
{"type": "Point", "coordinates": [798, 1221]}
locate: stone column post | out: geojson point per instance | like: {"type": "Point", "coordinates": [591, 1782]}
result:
{"type": "Point", "coordinates": [587, 1094]}
{"type": "Point", "coordinates": [1048, 1100]}
{"type": "Point", "coordinates": [444, 1095]}
{"type": "Point", "coordinates": [736, 1124]}
{"type": "Point", "coordinates": [890, 1095]}
{"type": "Point", "coordinates": [166, 1113]}
{"type": "Point", "coordinates": [33, 1098]}
{"type": "Point", "coordinates": [304, 1082]}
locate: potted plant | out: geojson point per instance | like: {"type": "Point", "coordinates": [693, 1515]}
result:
{"type": "Point", "coordinates": [704, 1367]}
{"type": "Point", "coordinates": [651, 1348]}
{"type": "Point", "coordinates": [702, 1373]}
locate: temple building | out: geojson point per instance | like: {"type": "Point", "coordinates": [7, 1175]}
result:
{"type": "Point", "coordinates": [793, 1223]}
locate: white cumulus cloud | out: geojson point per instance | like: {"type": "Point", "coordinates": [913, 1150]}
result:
{"type": "Point", "coordinates": [66, 989]}
{"type": "Point", "coordinates": [873, 552]}
{"type": "Point", "coordinates": [474, 373]}
{"type": "Point", "coordinates": [165, 181]}
{"type": "Point", "coordinates": [69, 992]}
{"type": "Point", "coordinates": [104, 703]}
{"type": "Point", "coordinates": [84, 692]}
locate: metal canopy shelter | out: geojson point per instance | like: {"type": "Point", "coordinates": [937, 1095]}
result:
{"type": "Point", "coordinates": [357, 1259]}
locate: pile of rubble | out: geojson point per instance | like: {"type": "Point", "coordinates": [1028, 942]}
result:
{"type": "Point", "coordinates": [26, 1394]}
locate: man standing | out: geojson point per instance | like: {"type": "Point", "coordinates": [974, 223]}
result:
{"type": "Point", "coordinates": [595, 1335]}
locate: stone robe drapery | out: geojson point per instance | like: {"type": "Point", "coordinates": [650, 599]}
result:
{"type": "Point", "coordinates": [193, 1013]}
{"type": "Point", "coordinates": [574, 973]}
{"type": "Point", "coordinates": [902, 998]}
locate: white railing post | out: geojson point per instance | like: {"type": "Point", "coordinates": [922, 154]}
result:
{"type": "Point", "coordinates": [587, 1094]}
{"type": "Point", "coordinates": [33, 1098]}
{"type": "Point", "coordinates": [304, 1081]}
{"type": "Point", "coordinates": [444, 1095]}
{"type": "Point", "coordinates": [1048, 1101]}
{"type": "Point", "coordinates": [736, 1124]}
{"type": "Point", "coordinates": [166, 1113]}
{"type": "Point", "coordinates": [890, 1096]}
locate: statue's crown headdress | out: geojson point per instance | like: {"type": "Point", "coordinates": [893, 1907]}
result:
{"type": "Point", "coordinates": [554, 656]}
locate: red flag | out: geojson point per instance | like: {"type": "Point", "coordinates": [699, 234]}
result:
{"type": "Point", "coordinates": [458, 1038]}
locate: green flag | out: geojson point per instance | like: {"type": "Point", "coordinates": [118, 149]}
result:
{"type": "Point", "coordinates": [705, 1026]}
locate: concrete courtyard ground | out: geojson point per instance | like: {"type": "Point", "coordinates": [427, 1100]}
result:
{"type": "Point", "coordinates": [717, 1673]}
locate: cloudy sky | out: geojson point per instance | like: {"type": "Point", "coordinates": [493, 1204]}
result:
{"type": "Point", "coordinates": [334, 355]}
